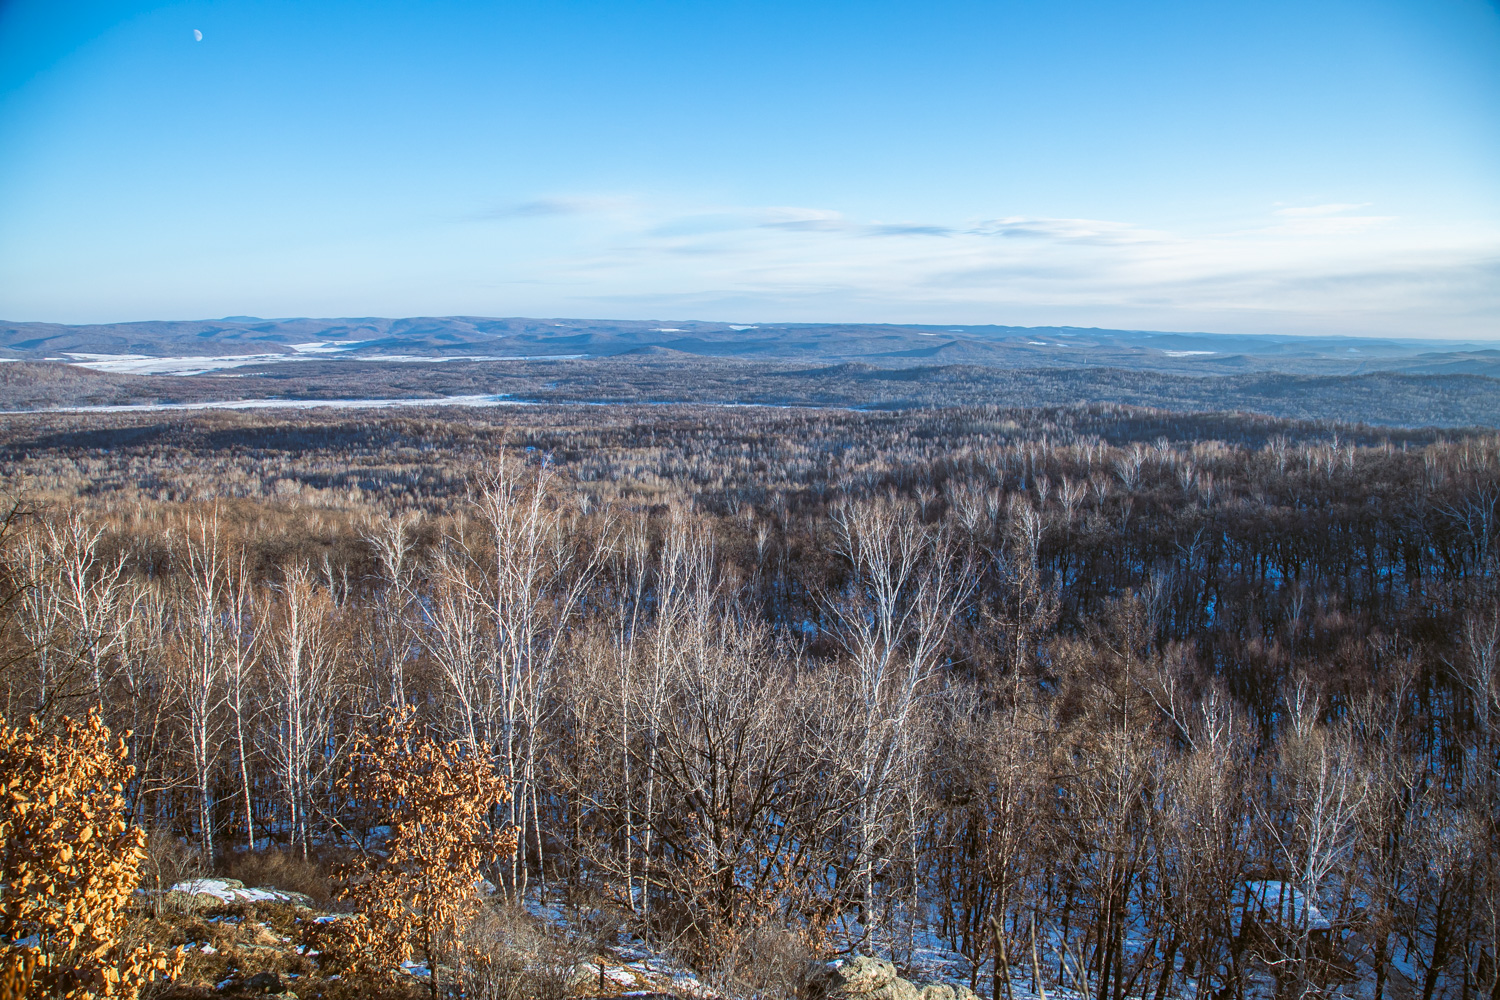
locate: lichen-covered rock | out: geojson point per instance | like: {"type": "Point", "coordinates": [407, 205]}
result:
{"type": "Point", "coordinates": [946, 991]}
{"type": "Point", "coordinates": [864, 978]}
{"type": "Point", "coordinates": [856, 976]}
{"type": "Point", "coordinates": [897, 989]}
{"type": "Point", "coordinates": [228, 890]}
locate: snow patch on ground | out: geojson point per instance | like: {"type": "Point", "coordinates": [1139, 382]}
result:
{"type": "Point", "coordinates": [142, 364]}
{"type": "Point", "coordinates": [281, 404]}
{"type": "Point", "coordinates": [233, 891]}
{"type": "Point", "coordinates": [468, 357]}
{"type": "Point", "coordinates": [325, 346]}
{"type": "Point", "coordinates": [1286, 904]}
{"type": "Point", "coordinates": [629, 962]}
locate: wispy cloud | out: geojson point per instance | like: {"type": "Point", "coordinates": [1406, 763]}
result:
{"type": "Point", "coordinates": [543, 207]}
{"type": "Point", "coordinates": [805, 220]}
{"type": "Point", "coordinates": [1324, 220]}
{"type": "Point", "coordinates": [1303, 211]}
{"type": "Point", "coordinates": [907, 229]}
{"type": "Point", "coordinates": [1092, 231]}
{"type": "Point", "coordinates": [1330, 266]}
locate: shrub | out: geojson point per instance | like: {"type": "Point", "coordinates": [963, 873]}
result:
{"type": "Point", "coordinates": [503, 954]}
{"type": "Point", "coordinates": [69, 863]}
{"type": "Point", "coordinates": [286, 870]}
{"type": "Point", "coordinates": [425, 890]}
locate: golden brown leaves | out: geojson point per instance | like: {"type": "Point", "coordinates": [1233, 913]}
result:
{"type": "Point", "coordinates": [69, 863]}
{"type": "Point", "coordinates": [437, 800]}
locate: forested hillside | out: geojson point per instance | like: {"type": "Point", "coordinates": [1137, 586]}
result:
{"type": "Point", "coordinates": [1208, 706]}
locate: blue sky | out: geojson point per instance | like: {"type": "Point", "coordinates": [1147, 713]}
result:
{"type": "Point", "coordinates": [1311, 166]}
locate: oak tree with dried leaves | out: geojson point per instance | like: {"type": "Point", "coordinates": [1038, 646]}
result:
{"type": "Point", "coordinates": [421, 888]}
{"type": "Point", "coordinates": [69, 863]}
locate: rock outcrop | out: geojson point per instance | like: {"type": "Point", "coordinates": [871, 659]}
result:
{"type": "Point", "coordinates": [865, 978]}
{"type": "Point", "coordinates": [230, 890]}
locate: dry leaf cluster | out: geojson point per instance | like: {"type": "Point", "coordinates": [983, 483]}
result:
{"type": "Point", "coordinates": [415, 896]}
{"type": "Point", "coordinates": [69, 863]}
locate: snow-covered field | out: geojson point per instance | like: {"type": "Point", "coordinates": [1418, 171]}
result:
{"type": "Point", "coordinates": [282, 404]}
{"type": "Point", "coordinates": [141, 364]}
{"type": "Point", "coordinates": [377, 404]}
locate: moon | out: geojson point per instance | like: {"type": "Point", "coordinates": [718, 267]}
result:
{"type": "Point", "coordinates": [197, 35]}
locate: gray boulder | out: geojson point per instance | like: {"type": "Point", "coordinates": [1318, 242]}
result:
{"type": "Point", "coordinates": [948, 991]}
{"type": "Point", "coordinates": [849, 977]}
{"type": "Point", "coordinates": [865, 978]}
{"type": "Point", "coordinates": [897, 989]}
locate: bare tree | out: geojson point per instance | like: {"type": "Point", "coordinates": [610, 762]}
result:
{"type": "Point", "coordinates": [891, 620]}
{"type": "Point", "coordinates": [393, 539]}
{"type": "Point", "coordinates": [200, 644]}
{"type": "Point", "coordinates": [1312, 821]}
{"type": "Point", "coordinates": [73, 615]}
{"type": "Point", "coordinates": [302, 665]}
{"type": "Point", "coordinates": [541, 574]}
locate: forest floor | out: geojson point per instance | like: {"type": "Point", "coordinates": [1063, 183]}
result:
{"type": "Point", "coordinates": [242, 941]}
{"type": "Point", "coordinates": [263, 941]}
{"type": "Point", "coordinates": [254, 941]}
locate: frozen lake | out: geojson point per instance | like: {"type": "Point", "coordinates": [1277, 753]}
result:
{"type": "Point", "coordinates": [141, 364]}
{"type": "Point", "coordinates": [281, 404]}
{"type": "Point", "coordinates": [383, 404]}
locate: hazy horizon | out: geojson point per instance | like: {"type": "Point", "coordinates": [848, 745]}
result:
{"type": "Point", "coordinates": [748, 324]}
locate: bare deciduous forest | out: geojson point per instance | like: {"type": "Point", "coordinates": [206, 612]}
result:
{"type": "Point", "coordinates": [1113, 702]}
{"type": "Point", "coordinates": [1447, 397]}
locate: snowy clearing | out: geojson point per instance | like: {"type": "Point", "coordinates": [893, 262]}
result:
{"type": "Point", "coordinates": [279, 404]}
{"type": "Point", "coordinates": [141, 364]}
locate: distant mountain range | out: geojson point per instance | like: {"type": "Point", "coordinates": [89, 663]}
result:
{"type": "Point", "coordinates": [249, 345]}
